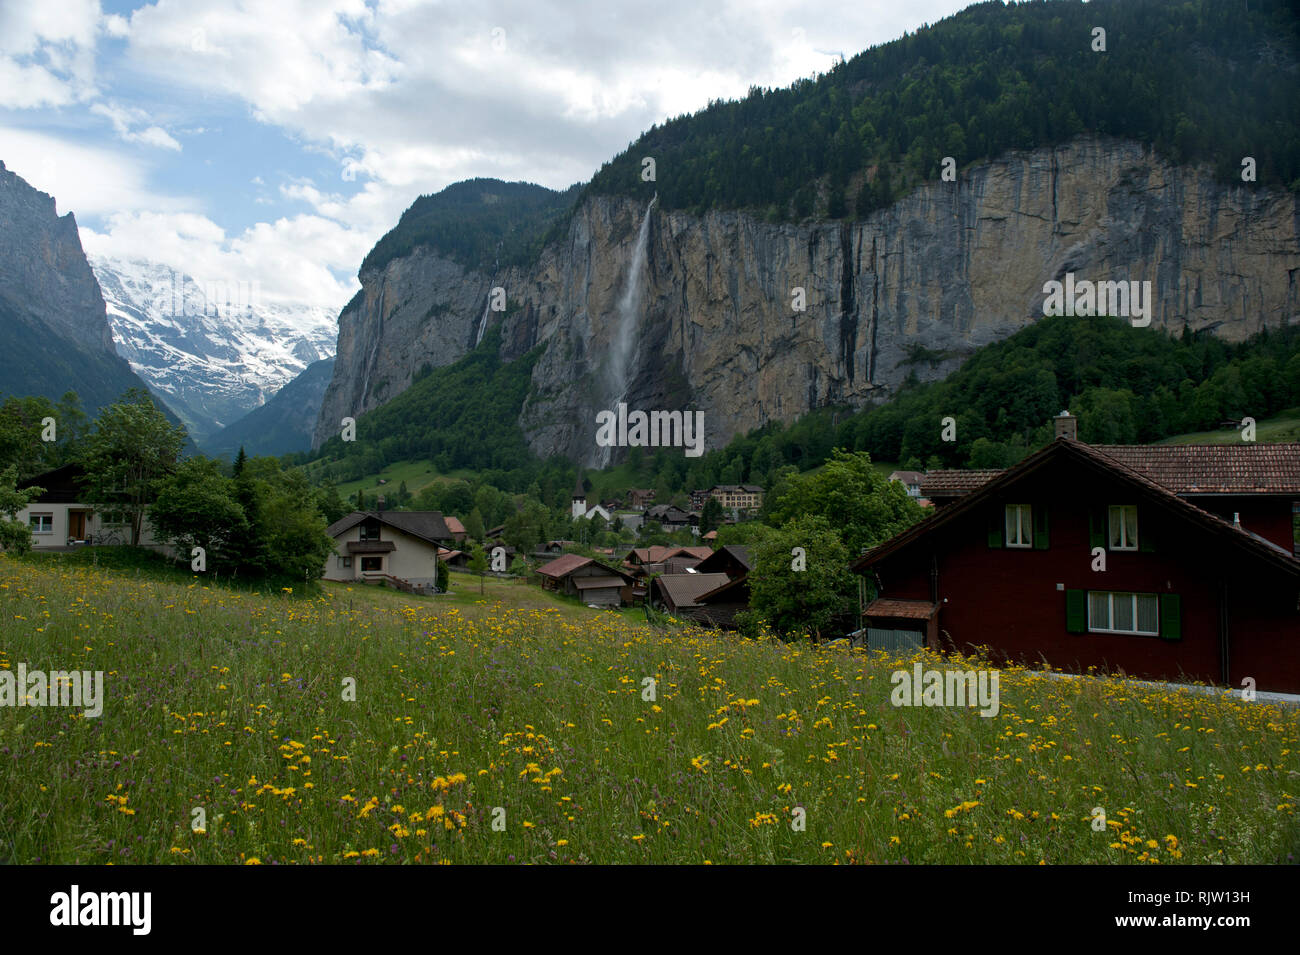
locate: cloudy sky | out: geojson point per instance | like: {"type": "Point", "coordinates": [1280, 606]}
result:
{"type": "Point", "coordinates": [276, 141]}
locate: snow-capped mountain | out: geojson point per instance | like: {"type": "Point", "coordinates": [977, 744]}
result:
{"type": "Point", "coordinates": [212, 350]}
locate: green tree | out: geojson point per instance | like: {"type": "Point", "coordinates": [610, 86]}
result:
{"type": "Point", "coordinates": [196, 507]}
{"type": "Point", "coordinates": [15, 536]}
{"type": "Point", "coordinates": [132, 448]}
{"type": "Point", "coordinates": [478, 562]}
{"type": "Point", "coordinates": [331, 503]}
{"type": "Point", "coordinates": [474, 525]}
{"type": "Point", "coordinates": [800, 582]}
{"type": "Point", "coordinates": [710, 516]}
{"type": "Point", "coordinates": [861, 503]}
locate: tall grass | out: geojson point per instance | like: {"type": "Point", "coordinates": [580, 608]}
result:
{"type": "Point", "coordinates": [232, 703]}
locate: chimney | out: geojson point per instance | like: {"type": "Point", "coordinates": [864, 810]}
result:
{"type": "Point", "coordinates": [380, 502]}
{"type": "Point", "coordinates": [1066, 426]}
{"type": "Point", "coordinates": [1236, 518]}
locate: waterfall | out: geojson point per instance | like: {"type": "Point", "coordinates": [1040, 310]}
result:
{"type": "Point", "coordinates": [482, 322]}
{"type": "Point", "coordinates": [623, 346]}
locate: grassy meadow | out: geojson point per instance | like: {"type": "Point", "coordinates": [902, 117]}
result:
{"type": "Point", "coordinates": [518, 709]}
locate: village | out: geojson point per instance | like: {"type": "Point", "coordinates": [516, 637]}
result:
{"type": "Point", "coordinates": [1166, 562]}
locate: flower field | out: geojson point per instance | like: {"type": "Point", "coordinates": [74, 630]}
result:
{"type": "Point", "coordinates": [482, 733]}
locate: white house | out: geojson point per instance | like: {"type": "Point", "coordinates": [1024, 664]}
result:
{"type": "Point", "coordinates": [399, 546]}
{"type": "Point", "coordinates": [59, 518]}
{"type": "Point", "coordinates": [910, 480]}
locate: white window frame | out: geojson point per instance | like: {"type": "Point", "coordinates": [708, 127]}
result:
{"type": "Point", "coordinates": [1024, 525]}
{"type": "Point", "coordinates": [47, 518]}
{"type": "Point", "coordinates": [1112, 595]}
{"type": "Point", "coordinates": [1123, 510]}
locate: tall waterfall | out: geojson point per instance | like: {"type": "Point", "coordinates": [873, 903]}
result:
{"type": "Point", "coordinates": [482, 322]}
{"type": "Point", "coordinates": [624, 345]}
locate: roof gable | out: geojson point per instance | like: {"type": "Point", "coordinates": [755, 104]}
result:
{"type": "Point", "coordinates": [427, 525]}
{"type": "Point", "coordinates": [1097, 461]}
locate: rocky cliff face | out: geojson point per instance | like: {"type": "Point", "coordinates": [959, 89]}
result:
{"type": "Point", "coordinates": [44, 274]}
{"type": "Point", "coordinates": [915, 287]}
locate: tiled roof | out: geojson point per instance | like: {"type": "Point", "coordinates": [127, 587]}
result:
{"type": "Point", "coordinates": [1213, 468]}
{"type": "Point", "coordinates": [1087, 455]}
{"type": "Point", "coordinates": [428, 525]}
{"type": "Point", "coordinates": [454, 525]}
{"type": "Point", "coordinates": [906, 609]}
{"type": "Point", "coordinates": [685, 589]}
{"type": "Point", "coordinates": [564, 565]}
{"type": "Point", "coordinates": [950, 483]}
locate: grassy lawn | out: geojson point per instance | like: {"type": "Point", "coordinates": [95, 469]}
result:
{"type": "Point", "coordinates": [1283, 427]}
{"type": "Point", "coordinates": [537, 716]}
{"type": "Point", "coordinates": [416, 474]}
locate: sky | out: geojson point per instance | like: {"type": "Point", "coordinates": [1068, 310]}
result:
{"type": "Point", "coordinates": [274, 142]}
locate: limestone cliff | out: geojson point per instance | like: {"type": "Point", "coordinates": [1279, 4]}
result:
{"type": "Point", "coordinates": [44, 274]}
{"type": "Point", "coordinates": [914, 287]}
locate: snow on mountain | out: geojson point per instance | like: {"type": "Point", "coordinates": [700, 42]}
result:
{"type": "Point", "coordinates": [212, 350]}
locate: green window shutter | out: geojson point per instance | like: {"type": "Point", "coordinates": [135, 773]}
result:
{"type": "Point", "coordinates": [1146, 533]}
{"type": "Point", "coordinates": [1076, 611]}
{"type": "Point", "coordinates": [996, 518]}
{"type": "Point", "coordinates": [1040, 527]}
{"type": "Point", "coordinates": [1097, 527]}
{"type": "Point", "coordinates": [1171, 615]}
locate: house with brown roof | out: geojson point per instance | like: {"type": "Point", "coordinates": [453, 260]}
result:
{"type": "Point", "coordinates": [1166, 562]}
{"type": "Point", "coordinates": [678, 593]}
{"type": "Point", "coordinates": [718, 607]}
{"type": "Point", "coordinates": [400, 547]}
{"type": "Point", "coordinates": [457, 529]}
{"type": "Point", "coordinates": [590, 580]}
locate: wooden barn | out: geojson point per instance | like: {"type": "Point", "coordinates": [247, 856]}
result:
{"type": "Point", "coordinates": [586, 578]}
{"type": "Point", "coordinates": [1171, 562]}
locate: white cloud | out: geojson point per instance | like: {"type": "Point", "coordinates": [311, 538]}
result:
{"type": "Point", "coordinates": [87, 180]}
{"type": "Point", "coordinates": [124, 118]}
{"type": "Point", "coordinates": [47, 51]}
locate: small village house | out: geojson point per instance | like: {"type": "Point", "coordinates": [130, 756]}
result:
{"type": "Point", "coordinates": [60, 518]}
{"type": "Point", "coordinates": [680, 593]}
{"type": "Point", "coordinates": [398, 547]}
{"type": "Point", "coordinates": [1165, 562]}
{"type": "Point", "coordinates": [910, 480]}
{"type": "Point", "coordinates": [588, 579]}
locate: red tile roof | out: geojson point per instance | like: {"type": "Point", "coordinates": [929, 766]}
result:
{"type": "Point", "coordinates": [906, 609]}
{"type": "Point", "coordinates": [1214, 468]}
{"type": "Point", "coordinates": [951, 483]}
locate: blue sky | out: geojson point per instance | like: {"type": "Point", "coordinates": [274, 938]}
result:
{"type": "Point", "coordinates": [275, 142]}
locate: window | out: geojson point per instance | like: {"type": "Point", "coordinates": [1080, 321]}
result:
{"type": "Point", "coordinates": [1123, 613]}
{"type": "Point", "coordinates": [345, 560]}
{"type": "Point", "coordinates": [1020, 526]}
{"type": "Point", "coordinates": [375, 564]}
{"type": "Point", "coordinates": [42, 523]}
{"type": "Point", "coordinates": [114, 518]}
{"type": "Point", "coordinates": [1123, 527]}
{"type": "Point", "coordinates": [370, 531]}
